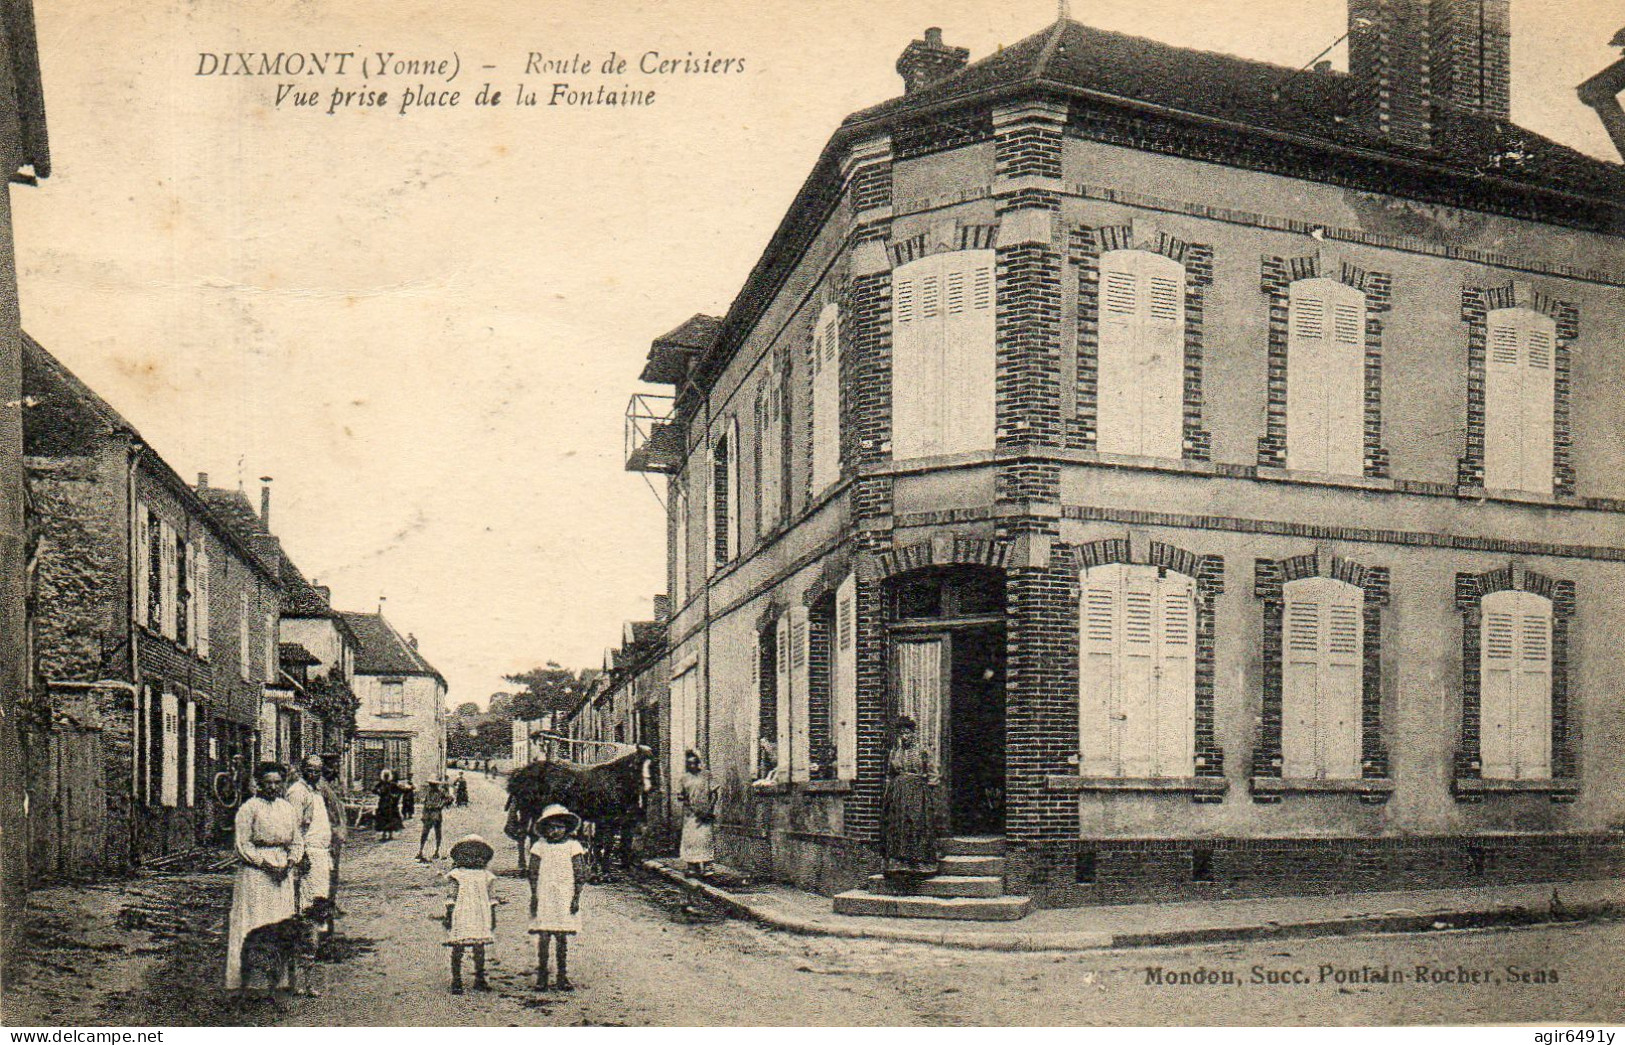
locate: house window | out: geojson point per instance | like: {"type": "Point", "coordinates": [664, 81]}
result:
{"type": "Point", "coordinates": [392, 697]}
{"type": "Point", "coordinates": [793, 691]}
{"type": "Point", "coordinates": [1515, 718]}
{"type": "Point", "coordinates": [943, 355]}
{"type": "Point", "coordinates": [725, 494]}
{"type": "Point", "coordinates": [1323, 639]}
{"type": "Point", "coordinates": [185, 571]}
{"type": "Point", "coordinates": [170, 752]}
{"type": "Point", "coordinates": [1141, 393]}
{"type": "Point", "coordinates": [1519, 400]}
{"type": "Point", "coordinates": [1325, 387]}
{"type": "Point", "coordinates": [769, 449]}
{"type": "Point", "coordinates": [679, 580]}
{"type": "Point", "coordinates": [244, 668]}
{"type": "Point", "coordinates": [766, 687]}
{"type": "Point", "coordinates": [1137, 676]}
{"type": "Point", "coordinates": [826, 393]}
{"type": "Point", "coordinates": [200, 614]}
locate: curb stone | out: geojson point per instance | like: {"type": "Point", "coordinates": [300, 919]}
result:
{"type": "Point", "coordinates": [1501, 916]}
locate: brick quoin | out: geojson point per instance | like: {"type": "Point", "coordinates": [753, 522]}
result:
{"type": "Point", "coordinates": [1028, 396]}
{"type": "Point", "coordinates": [1028, 149]}
{"type": "Point", "coordinates": [1041, 701]}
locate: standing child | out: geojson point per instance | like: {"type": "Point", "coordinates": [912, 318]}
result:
{"type": "Point", "coordinates": [557, 866]}
{"type": "Point", "coordinates": [471, 910]}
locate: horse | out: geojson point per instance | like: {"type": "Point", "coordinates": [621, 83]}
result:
{"type": "Point", "coordinates": [609, 796]}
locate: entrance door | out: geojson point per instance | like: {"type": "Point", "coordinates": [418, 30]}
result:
{"type": "Point", "coordinates": [975, 749]}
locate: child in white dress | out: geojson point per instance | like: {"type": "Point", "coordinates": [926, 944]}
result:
{"type": "Point", "coordinates": [471, 909]}
{"type": "Point", "coordinates": [557, 867]}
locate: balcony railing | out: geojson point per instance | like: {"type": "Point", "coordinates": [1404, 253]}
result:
{"type": "Point", "coordinates": [654, 438]}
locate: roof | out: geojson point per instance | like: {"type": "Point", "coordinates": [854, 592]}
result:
{"type": "Point", "coordinates": [1234, 100]}
{"type": "Point", "coordinates": [670, 353]}
{"type": "Point", "coordinates": [382, 651]}
{"type": "Point", "coordinates": [59, 409]}
{"type": "Point", "coordinates": [292, 654]}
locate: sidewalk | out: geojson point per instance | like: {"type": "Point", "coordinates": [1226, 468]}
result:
{"type": "Point", "coordinates": [1169, 924]}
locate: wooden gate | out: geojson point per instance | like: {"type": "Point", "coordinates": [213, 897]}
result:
{"type": "Point", "coordinates": [67, 804]}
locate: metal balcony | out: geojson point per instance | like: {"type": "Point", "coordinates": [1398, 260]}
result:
{"type": "Point", "coordinates": [654, 439]}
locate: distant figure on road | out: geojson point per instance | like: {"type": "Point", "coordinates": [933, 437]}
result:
{"type": "Point", "coordinates": [387, 820]}
{"type": "Point", "coordinates": [269, 846]}
{"type": "Point", "coordinates": [462, 790]}
{"type": "Point", "coordinates": [699, 798]}
{"type": "Point", "coordinates": [471, 909]}
{"type": "Point", "coordinates": [434, 805]}
{"type": "Point", "coordinates": [409, 799]}
{"type": "Point", "coordinates": [558, 866]}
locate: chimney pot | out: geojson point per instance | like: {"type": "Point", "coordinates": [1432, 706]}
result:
{"type": "Point", "coordinates": [933, 36]}
{"type": "Point", "coordinates": [924, 62]}
{"type": "Point", "coordinates": [203, 480]}
{"type": "Point", "coordinates": [265, 501]}
{"type": "Point", "coordinates": [1323, 67]}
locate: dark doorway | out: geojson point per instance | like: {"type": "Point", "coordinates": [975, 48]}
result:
{"type": "Point", "coordinates": [975, 752]}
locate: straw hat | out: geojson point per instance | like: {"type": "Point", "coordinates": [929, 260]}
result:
{"type": "Point", "coordinates": [558, 812]}
{"type": "Point", "coordinates": [472, 851]}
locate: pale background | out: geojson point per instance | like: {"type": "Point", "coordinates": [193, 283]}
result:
{"type": "Point", "coordinates": [426, 327]}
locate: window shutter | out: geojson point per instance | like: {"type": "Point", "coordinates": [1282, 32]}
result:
{"type": "Point", "coordinates": [1539, 419]}
{"type": "Point", "coordinates": [1345, 383]}
{"type": "Point", "coordinates": [1498, 670]}
{"type": "Point", "coordinates": [270, 648]}
{"type": "Point", "coordinates": [200, 598]}
{"type": "Point", "coordinates": [189, 582]}
{"type": "Point", "coordinates": [1300, 689]}
{"type": "Point", "coordinates": [1097, 675]}
{"type": "Point", "coordinates": [732, 543]}
{"type": "Point", "coordinates": [1503, 403]}
{"type": "Point", "coordinates": [170, 753]}
{"type": "Point", "coordinates": [846, 679]}
{"type": "Point", "coordinates": [141, 566]}
{"type": "Point", "coordinates": [1118, 391]}
{"type": "Point", "coordinates": [1341, 689]}
{"type": "Point", "coordinates": [190, 789]}
{"type": "Point", "coordinates": [1176, 677]}
{"type": "Point", "coordinates": [969, 358]}
{"type": "Point", "coordinates": [943, 354]}
{"type": "Point", "coordinates": [1137, 666]}
{"type": "Point", "coordinates": [755, 729]}
{"type": "Point", "coordinates": [781, 647]}
{"type": "Point", "coordinates": [800, 692]}
{"type": "Point", "coordinates": [166, 559]}
{"type": "Point", "coordinates": [826, 461]}
{"type": "Point", "coordinates": [1307, 364]}
{"type": "Point", "coordinates": [1162, 361]}
{"type": "Point", "coordinates": [244, 669]}
{"type": "Point", "coordinates": [1533, 702]}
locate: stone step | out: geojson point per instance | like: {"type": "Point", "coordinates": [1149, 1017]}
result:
{"type": "Point", "coordinates": [942, 885]}
{"type": "Point", "coordinates": [971, 865]}
{"type": "Point", "coordinates": [957, 908]}
{"type": "Point", "coordinates": [972, 845]}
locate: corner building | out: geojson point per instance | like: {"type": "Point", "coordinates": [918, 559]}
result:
{"type": "Point", "coordinates": [1215, 460]}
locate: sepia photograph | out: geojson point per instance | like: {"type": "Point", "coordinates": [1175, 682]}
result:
{"type": "Point", "coordinates": [922, 513]}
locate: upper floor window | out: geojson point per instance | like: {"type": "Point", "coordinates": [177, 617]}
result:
{"type": "Point", "coordinates": [1137, 675]}
{"type": "Point", "coordinates": [1515, 717]}
{"type": "Point", "coordinates": [770, 422]}
{"type": "Point", "coordinates": [826, 396]}
{"type": "Point", "coordinates": [392, 697]}
{"type": "Point", "coordinates": [1141, 394]}
{"type": "Point", "coordinates": [1325, 385]}
{"type": "Point", "coordinates": [679, 545]}
{"type": "Point", "coordinates": [943, 354]}
{"type": "Point", "coordinates": [1321, 661]}
{"type": "Point", "coordinates": [1519, 400]}
{"type": "Point", "coordinates": [725, 494]}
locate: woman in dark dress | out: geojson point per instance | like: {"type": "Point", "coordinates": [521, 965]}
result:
{"type": "Point", "coordinates": [387, 820]}
{"type": "Point", "coordinates": [910, 843]}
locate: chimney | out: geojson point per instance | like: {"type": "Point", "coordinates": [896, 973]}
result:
{"type": "Point", "coordinates": [202, 481]}
{"type": "Point", "coordinates": [1471, 45]}
{"type": "Point", "coordinates": [265, 501]}
{"type": "Point", "coordinates": [1389, 70]}
{"type": "Point", "coordinates": [662, 608]}
{"type": "Point", "coordinates": [924, 62]}
{"type": "Point", "coordinates": [325, 592]}
{"type": "Point", "coordinates": [412, 640]}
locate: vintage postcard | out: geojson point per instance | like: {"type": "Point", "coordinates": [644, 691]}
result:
{"type": "Point", "coordinates": [827, 514]}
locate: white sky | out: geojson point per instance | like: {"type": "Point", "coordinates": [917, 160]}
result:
{"type": "Point", "coordinates": [426, 326]}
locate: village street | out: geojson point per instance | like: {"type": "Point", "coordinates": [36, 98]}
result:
{"type": "Point", "coordinates": [149, 953]}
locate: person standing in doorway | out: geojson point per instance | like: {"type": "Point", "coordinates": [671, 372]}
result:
{"type": "Point", "coordinates": [387, 820]}
{"type": "Point", "coordinates": [269, 847]}
{"type": "Point", "coordinates": [699, 798]}
{"type": "Point", "coordinates": [908, 808]}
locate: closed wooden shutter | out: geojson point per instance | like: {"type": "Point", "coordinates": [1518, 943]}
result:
{"type": "Point", "coordinates": [732, 542]}
{"type": "Point", "coordinates": [141, 565]}
{"type": "Point", "coordinates": [1515, 687]}
{"type": "Point", "coordinates": [1137, 675]}
{"type": "Point", "coordinates": [189, 789]}
{"type": "Point", "coordinates": [916, 362]}
{"type": "Point", "coordinates": [169, 765]}
{"type": "Point", "coordinates": [201, 600]}
{"type": "Point", "coordinates": [167, 579]}
{"type": "Point", "coordinates": [1325, 377]}
{"type": "Point", "coordinates": [800, 693]}
{"type": "Point", "coordinates": [786, 744]}
{"type": "Point", "coordinates": [1539, 419]}
{"type": "Point", "coordinates": [826, 448]}
{"type": "Point", "coordinates": [969, 353]}
{"type": "Point", "coordinates": [770, 481]}
{"type": "Point", "coordinates": [754, 729]}
{"type": "Point", "coordinates": [846, 679]}
{"type": "Point", "coordinates": [1520, 400]}
{"type": "Point", "coordinates": [1141, 386]}
{"type": "Point", "coordinates": [1322, 658]}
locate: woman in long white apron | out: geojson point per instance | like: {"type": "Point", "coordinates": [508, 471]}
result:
{"type": "Point", "coordinates": [270, 846]}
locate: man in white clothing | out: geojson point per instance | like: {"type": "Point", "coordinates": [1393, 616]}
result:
{"type": "Point", "coordinates": [316, 876]}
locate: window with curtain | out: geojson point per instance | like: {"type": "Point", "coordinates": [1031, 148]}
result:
{"type": "Point", "coordinates": [1325, 385]}
{"type": "Point", "coordinates": [943, 354]}
{"type": "Point", "coordinates": [1519, 400]}
{"type": "Point", "coordinates": [1140, 403]}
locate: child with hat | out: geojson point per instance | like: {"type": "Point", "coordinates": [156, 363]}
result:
{"type": "Point", "coordinates": [471, 909]}
{"type": "Point", "coordinates": [557, 868]}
